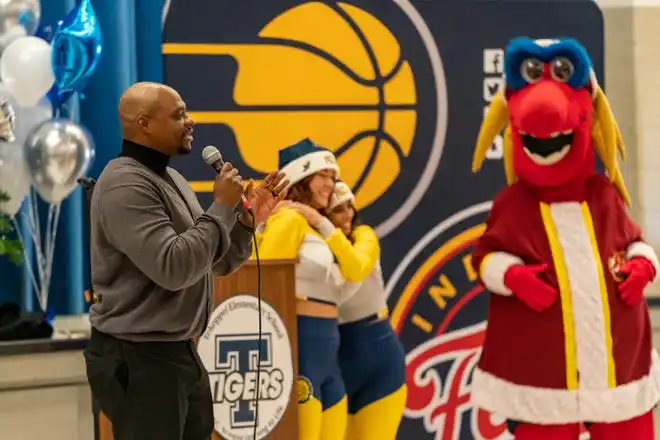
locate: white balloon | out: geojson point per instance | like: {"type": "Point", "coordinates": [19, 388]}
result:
{"type": "Point", "coordinates": [26, 69]}
{"type": "Point", "coordinates": [14, 177]}
{"type": "Point", "coordinates": [25, 118]}
{"type": "Point", "coordinates": [18, 18]}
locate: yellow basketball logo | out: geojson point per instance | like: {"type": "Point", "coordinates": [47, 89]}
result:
{"type": "Point", "coordinates": [304, 389]}
{"type": "Point", "coordinates": [335, 73]}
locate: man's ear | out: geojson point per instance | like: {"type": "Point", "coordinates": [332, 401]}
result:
{"type": "Point", "coordinates": [143, 123]}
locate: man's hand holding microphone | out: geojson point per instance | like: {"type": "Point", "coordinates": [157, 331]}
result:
{"type": "Point", "coordinates": [228, 187]}
{"type": "Point", "coordinates": [228, 190]}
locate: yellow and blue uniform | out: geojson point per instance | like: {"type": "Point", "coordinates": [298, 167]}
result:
{"type": "Point", "coordinates": [287, 235]}
{"type": "Point", "coordinates": [322, 397]}
{"type": "Point", "coordinates": [371, 357]}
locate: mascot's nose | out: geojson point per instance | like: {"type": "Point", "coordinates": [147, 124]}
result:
{"type": "Point", "coordinates": [543, 109]}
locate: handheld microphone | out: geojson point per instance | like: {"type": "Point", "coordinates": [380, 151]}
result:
{"type": "Point", "coordinates": [213, 158]}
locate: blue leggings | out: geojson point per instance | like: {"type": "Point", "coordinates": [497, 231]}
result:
{"type": "Point", "coordinates": [321, 393]}
{"type": "Point", "coordinates": [373, 366]}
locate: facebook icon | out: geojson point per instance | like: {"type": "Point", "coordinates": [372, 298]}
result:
{"type": "Point", "coordinates": [234, 380]}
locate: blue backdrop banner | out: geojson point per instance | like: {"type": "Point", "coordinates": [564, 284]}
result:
{"type": "Point", "coordinates": [398, 90]}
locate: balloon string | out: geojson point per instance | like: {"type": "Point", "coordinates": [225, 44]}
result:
{"type": "Point", "coordinates": [35, 233]}
{"type": "Point", "coordinates": [47, 242]}
{"type": "Point", "coordinates": [44, 250]}
{"type": "Point", "coordinates": [51, 248]}
{"type": "Point", "coordinates": [26, 257]}
{"type": "Point", "coordinates": [35, 211]}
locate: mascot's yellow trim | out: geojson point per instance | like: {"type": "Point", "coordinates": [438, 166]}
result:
{"type": "Point", "coordinates": [605, 135]}
{"type": "Point", "coordinates": [570, 347]}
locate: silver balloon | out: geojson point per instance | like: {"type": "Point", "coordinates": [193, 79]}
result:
{"type": "Point", "coordinates": [14, 177]}
{"type": "Point", "coordinates": [17, 19]}
{"type": "Point", "coordinates": [58, 152]}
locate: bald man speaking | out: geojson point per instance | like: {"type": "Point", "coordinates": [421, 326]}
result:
{"type": "Point", "coordinates": [154, 254]}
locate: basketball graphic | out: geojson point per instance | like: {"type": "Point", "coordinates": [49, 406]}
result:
{"type": "Point", "coordinates": [335, 72]}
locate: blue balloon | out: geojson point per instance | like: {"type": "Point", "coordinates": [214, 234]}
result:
{"type": "Point", "coordinates": [77, 46]}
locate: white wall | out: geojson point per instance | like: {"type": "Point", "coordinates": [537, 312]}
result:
{"type": "Point", "coordinates": [632, 77]}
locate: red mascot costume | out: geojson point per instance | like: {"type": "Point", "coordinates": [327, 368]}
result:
{"type": "Point", "coordinates": [568, 342]}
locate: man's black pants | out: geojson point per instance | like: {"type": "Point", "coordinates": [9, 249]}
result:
{"type": "Point", "coordinates": [150, 390]}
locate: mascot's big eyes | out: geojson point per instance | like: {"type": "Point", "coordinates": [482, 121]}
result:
{"type": "Point", "coordinates": [531, 70]}
{"type": "Point", "coordinates": [561, 69]}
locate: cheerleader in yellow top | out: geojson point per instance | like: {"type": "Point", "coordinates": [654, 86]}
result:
{"type": "Point", "coordinates": [311, 171]}
{"type": "Point", "coordinates": [370, 356]}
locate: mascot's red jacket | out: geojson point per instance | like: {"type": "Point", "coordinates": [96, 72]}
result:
{"type": "Point", "coordinates": [568, 337]}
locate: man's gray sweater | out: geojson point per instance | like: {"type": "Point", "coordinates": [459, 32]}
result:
{"type": "Point", "coordinates": [155, 254]}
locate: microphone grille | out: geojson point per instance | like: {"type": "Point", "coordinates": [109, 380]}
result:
{"type": "Point", "coordinates": [210, 154]}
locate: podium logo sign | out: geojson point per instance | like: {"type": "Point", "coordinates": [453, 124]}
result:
{"type": "Point", "coordinates": [231, 351]}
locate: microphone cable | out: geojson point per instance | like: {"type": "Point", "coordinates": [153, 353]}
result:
{"type": "Point", "coordinates": [259, 322]}
{"type": "Point", "coordinates": [213, 158]}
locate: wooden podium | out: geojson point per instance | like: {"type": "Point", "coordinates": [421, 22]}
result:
{"type": "Point", "coordinates": [278, 291]}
